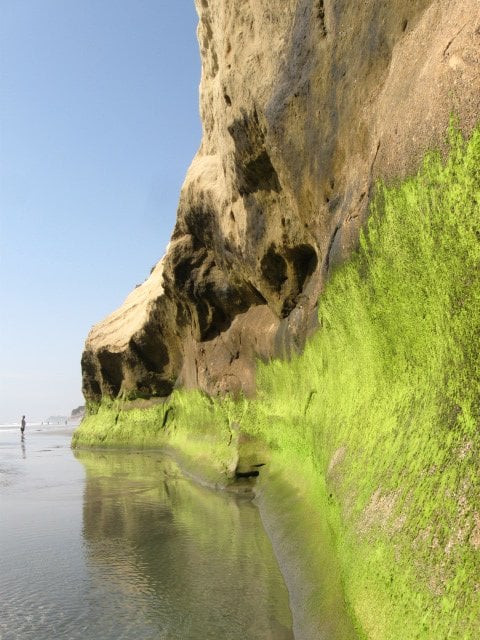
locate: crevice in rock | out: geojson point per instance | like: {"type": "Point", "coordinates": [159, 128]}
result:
{"type": "Point", "coordinates": [151, 352]}
{"type": "Point", "coordinates": [288, 306]}
{"type": "Point", "coordinates": [111, 371]}
{"type": "Point", "coordinates": [217, 323]}
{"type": "Point", "coordinates": [183, 271]}
{"type": "Point", "coordinates": [303, 259]}
{"type": "Point", "coordinates": [234, 356]}
{"type": "Point", "coordinates": [329, 249]}
{"type": "Point", "coordinates": [95, 389]}
{"type": "Point", "coordinates": [258, 297]}
{"type": "Point", "coordinates": [182, 316]}
{"type": "Point", "coordinates": [321, 17]}
{"type": "Point", "coordinates": [201, 223]}
{"type": "Point", "coordinates": [254, 473]}
{"type": "Point", "coordinates": [259, 175]}
{"type": "Point", "coordinates": [253, 166]}
{"type": "Point", "coordinates": [449, 44]}
{"type": "Point", "coordinates": [309, 400]}
{"type": "Point", "coordinates": [90, 384]}
{"type": "Point", "coordinates": [168, 413]}
{"type": "Point", "coordinates": [274, 268]}
{"type": "Point", "coordinates": [377, 149]}
{"type": "Point", "coordinates": [153, 385]}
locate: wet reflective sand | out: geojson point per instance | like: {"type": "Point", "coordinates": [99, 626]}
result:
{"type": "Point", "coordinates": [120, 545]}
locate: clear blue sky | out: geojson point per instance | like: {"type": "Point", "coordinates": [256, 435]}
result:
{"type": "Point", "coordinates": [99, 123]}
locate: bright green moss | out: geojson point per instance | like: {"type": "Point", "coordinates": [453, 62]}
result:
{"type": "Point", "coordinates": [390, 390]}
{"type": "Point", "coordinates": [192, 423]}
{"type": "Point", "coordinates": [386, 408]}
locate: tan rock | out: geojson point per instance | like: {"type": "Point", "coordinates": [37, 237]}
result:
{"type": "Point", "coordinates": [304, 104]}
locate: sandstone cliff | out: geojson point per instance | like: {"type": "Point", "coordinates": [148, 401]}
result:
{"type": "Point", "coordinates": [304, 104]}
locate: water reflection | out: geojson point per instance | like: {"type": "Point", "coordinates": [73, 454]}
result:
{"type": "Point", "coordinates": [169, 559]}
{"type": "Point", "coordinates": [22, 445]}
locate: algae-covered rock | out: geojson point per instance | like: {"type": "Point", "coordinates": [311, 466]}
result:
{"type": "Point", "coordinates": [304, 104]}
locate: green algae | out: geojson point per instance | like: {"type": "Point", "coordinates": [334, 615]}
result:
{"type": "Point", "coordinates": [191, 423]}
{"type": "Point", "coordinates": [379, 418]}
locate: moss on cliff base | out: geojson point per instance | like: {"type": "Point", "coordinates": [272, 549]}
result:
{"type": "Point", "coordinates": [196, 427]}
{"type": "Point", "coordinates": [380, 415]}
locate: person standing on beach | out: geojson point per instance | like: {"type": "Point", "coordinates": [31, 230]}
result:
{"type": "Point", "coordinates": [22, 425]}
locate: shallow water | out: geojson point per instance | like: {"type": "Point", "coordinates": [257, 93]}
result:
{"type": "Point", "coordinates": [121, 546]}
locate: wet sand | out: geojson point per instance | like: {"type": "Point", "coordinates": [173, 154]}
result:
{"type": "Point", "coordinates": [121, 545]}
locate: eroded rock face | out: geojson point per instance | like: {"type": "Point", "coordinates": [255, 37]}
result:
{"type": "Point", "coordinates": [304, 104]}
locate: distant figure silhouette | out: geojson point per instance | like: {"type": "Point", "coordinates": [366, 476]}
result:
{"type": "Point", "coordinates": [23, 423]}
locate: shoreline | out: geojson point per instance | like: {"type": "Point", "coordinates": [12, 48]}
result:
{"type": "Point", "coordinates": [300, 537]}
{"type": "Point", "coordinates": [313, 578]}
{"type": "Point", "coordinates": [127, 510]}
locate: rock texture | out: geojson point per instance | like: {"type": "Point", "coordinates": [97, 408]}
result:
{"type": "Point", "coordinates": [304, 104]}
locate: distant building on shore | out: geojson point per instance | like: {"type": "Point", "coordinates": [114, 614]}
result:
{"type": "Point", "coordinates": [56, 420]}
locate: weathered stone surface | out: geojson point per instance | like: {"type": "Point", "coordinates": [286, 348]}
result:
{"type": "Point", "coordinates": [304, 104]}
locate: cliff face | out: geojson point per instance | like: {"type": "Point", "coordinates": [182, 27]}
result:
{"type": "Point", "coordinates": [305, 104]}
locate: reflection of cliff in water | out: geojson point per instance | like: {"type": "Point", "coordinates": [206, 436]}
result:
{"type": "Point", "coordinates": [181, 560]}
